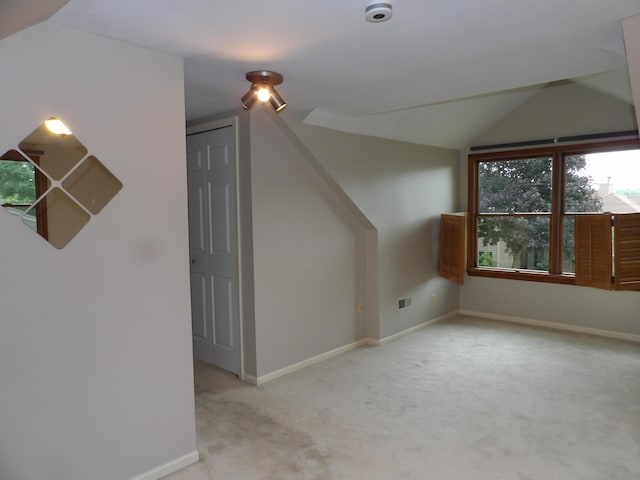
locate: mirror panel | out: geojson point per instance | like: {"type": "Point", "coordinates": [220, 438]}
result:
{"type": "Point", "coordinates": [92, 185]}
{"type": "Point", "coordinates": [64, 217]}
{"type": "Point", "coordinates": [21, 184]}
{"type": "Point", "coordinates": [58, 153]}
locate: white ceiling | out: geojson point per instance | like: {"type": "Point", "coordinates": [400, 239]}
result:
{"type": "Point", "coordinates": [439, 72]}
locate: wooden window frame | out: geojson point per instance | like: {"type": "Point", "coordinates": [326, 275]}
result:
{"type": "Point", "coordinates": [558, 153]}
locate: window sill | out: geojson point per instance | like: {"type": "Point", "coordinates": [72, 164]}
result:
{"type": "Point", "coordinates": [529, 276]}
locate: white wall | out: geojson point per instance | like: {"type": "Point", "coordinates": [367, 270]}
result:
{"type": "Point", "coordinates": [306, 278]}
{"type": "Point", "coordinates": [562, 110]}
{"type": "Point", "coordinates": [559, 110]}
{"type": "Point", "coordinates": [631, 28]}
{"type": "Point", "coordinates": [402, 188]}
{"type": "Point", "coordinates": [336, 218]}
{"type": "Point", "coordinates": [95, 347]}
{"type": "Point", "coordinates": [546, 302]}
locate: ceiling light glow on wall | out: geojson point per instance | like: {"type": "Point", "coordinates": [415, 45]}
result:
{"type": "Point", "coordinates": [56, 126]}
{"type": "Point", "coordinates": [262, 89]}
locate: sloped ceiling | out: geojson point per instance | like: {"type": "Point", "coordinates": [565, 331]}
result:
{"type": "Point", "coordinates": [438, 73]}
{"type": "Point", "coordinates": [16, 15]}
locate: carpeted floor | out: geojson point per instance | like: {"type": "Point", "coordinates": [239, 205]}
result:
{"type": "Point", "coordinates": [468, 399]}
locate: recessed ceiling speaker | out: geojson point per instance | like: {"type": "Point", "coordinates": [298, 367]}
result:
{"type": "Point", "coordinates": [376, 11]}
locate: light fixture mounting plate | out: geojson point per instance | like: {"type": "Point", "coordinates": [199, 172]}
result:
{"type": "Point", "coordinates": [265, 77]}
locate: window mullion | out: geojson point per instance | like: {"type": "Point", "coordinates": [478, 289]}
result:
{"type": "Point", "coordinates": [473, 209]}
{"type": "Point", "coordinates": [555, 239]}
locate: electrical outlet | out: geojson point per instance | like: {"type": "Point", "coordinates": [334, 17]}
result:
{"type": "Point", "coordinates": [359, 307]}
{"type": "Point", "coordinates": [433, 299]}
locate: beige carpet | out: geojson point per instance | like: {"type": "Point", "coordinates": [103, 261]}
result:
{"type": "Point", "coordinates": [468, 399]}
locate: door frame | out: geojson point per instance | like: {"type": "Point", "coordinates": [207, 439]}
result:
{"type": "Point", "coordinates": [215, 125]}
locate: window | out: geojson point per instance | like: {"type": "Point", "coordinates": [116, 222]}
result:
{"type": "Point", "coordinates": [21, 184]}
{"type": "Point", "coordinates": [525, 205]}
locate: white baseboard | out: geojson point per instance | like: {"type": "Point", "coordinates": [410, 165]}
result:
{"type": "Point", "coordinates": [556, 326]}
{"type": "Point", "coordinates": [377, 342]}
{"type": "Point", "coordinates": [250, 379]}
{"type": "Point", "coordinates": [262, 379]}
{"type": "Point", "coordinates": [304, 363]}
{"type": "Point", "coordinates": [170, 467]}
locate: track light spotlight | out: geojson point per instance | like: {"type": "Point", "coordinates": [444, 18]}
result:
{"type": "Point", "coordinates": [262, 89]}
{"type": "Point", "coordinates": [249, 98]}
{"type": "Point", "coordinates": [277, 102]}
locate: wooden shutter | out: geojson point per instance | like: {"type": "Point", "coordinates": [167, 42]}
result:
{"type": "Point", "coordinates": [626, 235]}
{"type": "Point", "coordinates": [593, 251]}
{"type": "Point", "coordinates": [453, 246]}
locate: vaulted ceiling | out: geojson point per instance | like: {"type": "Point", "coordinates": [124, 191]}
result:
{"type": "Point", "coordinates": [439, 72]}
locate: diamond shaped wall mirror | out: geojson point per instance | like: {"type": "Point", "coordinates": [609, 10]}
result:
{"type": "Point", "coordinates": [52, 185]}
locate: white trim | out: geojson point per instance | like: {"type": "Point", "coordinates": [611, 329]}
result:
{"type": "Point", "coordinates": [239, 278]}
{"type": "Point", "coordinates": [250, 379]}
{"type": "Point", "coordinates": [170, 467]}
{"type": "Point", "coordinates": [213, 125]}
{"type": "Point", "coordinates": [377, 342]}
{"type": "Point", "coordinates": [340, 350]}
{"type": "Point", "coordinates": [305, 363]}
{"type": "Point", "coordinates": [556, 326]}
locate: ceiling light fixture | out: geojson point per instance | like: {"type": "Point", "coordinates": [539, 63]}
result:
{"type": "Point", "coordinates": [262, 89]}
